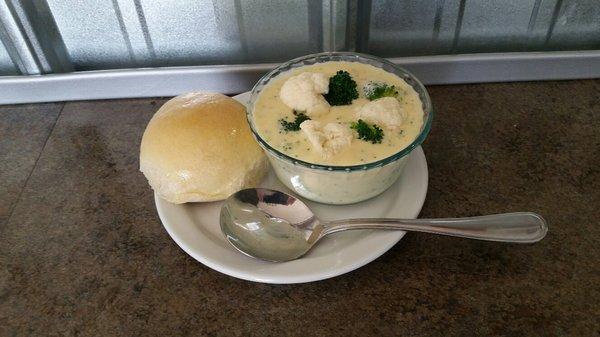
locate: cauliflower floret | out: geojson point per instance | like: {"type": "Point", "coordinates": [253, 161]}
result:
{"type": "Point", "coordinates": [327, 139]}
{"type": "Point", "coordinates": [304, 93]}
{"type": "Point", "coordinates": [358, 104]}
{"type": "Point", "coordinates": [385, 112]}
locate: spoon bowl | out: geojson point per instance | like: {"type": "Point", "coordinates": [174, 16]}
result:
{"type": "Point", "coordinates": [275, 226]}
{"type": "Point", "coordinates": [268, 224]}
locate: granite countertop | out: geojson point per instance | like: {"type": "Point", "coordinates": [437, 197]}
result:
{"type": "Point", "coordinates": [83, 253]}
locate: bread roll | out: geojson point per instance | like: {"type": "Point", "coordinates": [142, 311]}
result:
{"type": "Point", "coordinates": [199, 147]}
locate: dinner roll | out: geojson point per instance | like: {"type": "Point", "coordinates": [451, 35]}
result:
{"type": "Point", "coordinates": [199, 147]}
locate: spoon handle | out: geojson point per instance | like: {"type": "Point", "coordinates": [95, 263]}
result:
{"type": "Point", "coordinates": [521, 227]}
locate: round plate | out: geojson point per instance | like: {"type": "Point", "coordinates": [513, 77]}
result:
{"type": "Point", "coordinates": [195, 228]}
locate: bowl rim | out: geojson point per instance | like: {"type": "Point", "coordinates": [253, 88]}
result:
{"type": "Point", "coordinates": [427, 107]}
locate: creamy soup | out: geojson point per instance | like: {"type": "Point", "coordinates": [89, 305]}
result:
{"type": "Point", "coordinates": [269, 110]}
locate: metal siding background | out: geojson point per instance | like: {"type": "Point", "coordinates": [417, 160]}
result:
{"type": "Point", "coordinates": [494, 26]}
{"type": "Point", "coordinates": [280, 30]}
{"type": "Point", "coordinates": [405, 28]}
{"type": "Point", "coordinates": [413, 27]}
{"type": "Point", "coordinates": [6, 65]}
{"type": "Point", "coordinates": [577, 25]}
{"type": "Point", "coordinates": [91, 33]}
{"type": "Point", "coordinates": [136, 33]}
{"type": "Point", "coordinates": [53, 36]}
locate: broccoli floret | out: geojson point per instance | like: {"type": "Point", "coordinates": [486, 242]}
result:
{"type": "Point", "coordinates": [374, 90]}
{"type": "Point", "coordinates": [342, 89]}
{"type": "Point", "coordinates": [295, 125]}
{"type": "Point", "coordinates": [369, 133]}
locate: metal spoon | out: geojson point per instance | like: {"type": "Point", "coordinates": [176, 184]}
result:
{"type": "Point", "coordinates": [275, 226]}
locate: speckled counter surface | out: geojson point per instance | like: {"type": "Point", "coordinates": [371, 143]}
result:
{"type": "Point", "coordinates": [83, 253]}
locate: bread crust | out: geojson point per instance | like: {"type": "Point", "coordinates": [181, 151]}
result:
{"type": "Point", "coordinates": [198, 147]}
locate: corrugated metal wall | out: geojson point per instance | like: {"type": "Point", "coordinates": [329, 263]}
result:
{"type": "Point", "coordinates": [6, 65]}
{"type": "Point", "coordinates": [55, 36]}
{"type": "Point", "coordinates": [408, 28]}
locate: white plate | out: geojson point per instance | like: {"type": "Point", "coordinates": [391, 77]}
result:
{"type": "Point", "coordinates": [195, 228]}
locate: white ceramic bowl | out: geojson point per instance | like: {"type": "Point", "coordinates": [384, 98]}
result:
{"type": "Point", "coordinates": [340, 184]}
